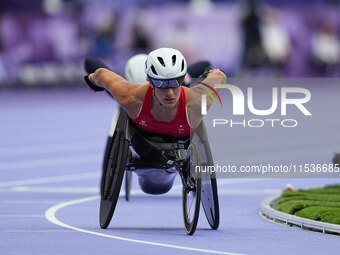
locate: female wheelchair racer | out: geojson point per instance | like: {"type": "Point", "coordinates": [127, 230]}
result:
{"type": "Point", "coordinates": [156, 157]}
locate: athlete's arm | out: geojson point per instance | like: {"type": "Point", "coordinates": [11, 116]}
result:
{"type": "Point", "coordinates": [128, 95]}
{"type": "Point", "coordinates": [215, 76]}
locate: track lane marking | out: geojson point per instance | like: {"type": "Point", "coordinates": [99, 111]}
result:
{"type": "Point", "coordinates": [50, 216]}
{"type": "Point", "coordinates": [52, 162]}
{"type": "Point", "coordinates": [96, 190]}
{"type": "Point", "coordinates": [65, 147]}
{"type": "Point", "coordinates": [39, 231]}
{"type": "Point", "coordinates": [52, 179]}
{"type": "Point", "coordinates": [92, 175]}
{"type": "Point", "coordinates": [29, 202]}
{"type": "Point", "coordinates": [22, 215]}
{"type": "Point", "coordinates": [72, 190]}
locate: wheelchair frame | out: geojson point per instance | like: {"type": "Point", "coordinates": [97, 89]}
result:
{"type": "Point", "coordinates": [201, 186]}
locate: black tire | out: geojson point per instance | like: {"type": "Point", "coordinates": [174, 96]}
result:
{"type": "Point", "coordinates": [128, 178]}
{"type": "Point", "coordinates": [113, 172]}
{"type": "Point", "coordinates": [191, 196]}
{"type": "Point", "coordinates": [209, 194]}
{"type": "Point", "coordinates": [109, 140]}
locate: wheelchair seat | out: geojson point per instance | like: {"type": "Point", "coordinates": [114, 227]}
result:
{"type": "Point", "coordinates": [155, 164]}
{"type": "Point", "coordinates": [154, 150]}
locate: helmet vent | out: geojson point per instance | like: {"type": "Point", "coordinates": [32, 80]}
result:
{"type": "Point", "coordinates": [154, 70]}
{"type": "Point", "coordinates": [173, 60]}
{"type": "Point", "coordinates": [182, 68]}
{"type": "Point", "coordinates": [161, 61]}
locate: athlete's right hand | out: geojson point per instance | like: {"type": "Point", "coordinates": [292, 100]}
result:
{"type": "Point", "coordinates": [91, 65]}
{"type": "Point", "coordinates": [206, 72]}
{"type": "Point", "coordinates": [91, 85]}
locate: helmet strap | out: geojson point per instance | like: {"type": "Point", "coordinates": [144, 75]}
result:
{"type": "Point", "coordinates": [154, 94]}
{"type": "Point", "coordinates": [159, 103]}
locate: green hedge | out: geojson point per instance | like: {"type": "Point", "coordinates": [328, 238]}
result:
{"type": "Point", "coordinates": [322, 204]}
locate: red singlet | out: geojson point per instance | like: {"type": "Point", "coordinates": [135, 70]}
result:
{"type": "Point", "coordinates": [178, 127]}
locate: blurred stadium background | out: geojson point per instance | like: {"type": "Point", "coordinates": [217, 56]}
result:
{"type": "Point", "coordinates": [43, 43]}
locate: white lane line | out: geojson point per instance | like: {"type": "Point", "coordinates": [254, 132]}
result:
{"type": "Point", "coordinates": [38, 231]}
{"type": "Point", "coordinates": [92, 175]}
{"type": "Point", "coordinates": [95, 190]}
{"type": "Point", "coordinates": [50, 216]}
{"type": "Point", "coordinates": [22, 215]}
{"type": "Point", "coordinates": [52, 179]}
{"type": "Point", "coordinates": [73, 190]}
{"type": "Point", "coordinates": [29, 202]}
{"type": "Point", "coordinates": [52, 162]}
{"type": "Point", "coordinates": [49, 148]}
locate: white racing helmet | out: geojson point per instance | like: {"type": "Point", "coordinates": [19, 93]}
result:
{"type": "Point", "coordinates": [165, 63]}
{"type": "Point", "coordinates": [134, 69]}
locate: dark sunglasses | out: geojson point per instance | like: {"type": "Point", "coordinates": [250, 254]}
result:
{"type": "Point", "coordinates": [168, 83]}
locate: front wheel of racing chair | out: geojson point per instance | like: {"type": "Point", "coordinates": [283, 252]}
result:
{"type": "Point", "coordinates": [191, 191]}
{"type": "Point", "coordinates": [113, 169]}
{"type": "Point", "coordinates": [209, 194]}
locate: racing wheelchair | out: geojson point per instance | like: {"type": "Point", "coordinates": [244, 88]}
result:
{"type": "Point", "coordinates": [157, 159]}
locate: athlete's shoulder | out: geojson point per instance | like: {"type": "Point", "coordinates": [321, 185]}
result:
{"type": "Point", "coordinates": [141, 91]}
{"type": "Point", "coordinates": [134, 101]}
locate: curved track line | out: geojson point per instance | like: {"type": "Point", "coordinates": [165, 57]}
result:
{"type": "Point", "coordinates": [50, 216]}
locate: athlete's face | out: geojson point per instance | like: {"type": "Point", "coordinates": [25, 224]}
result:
{"type": "Point", "coordinates": [168, 97]}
